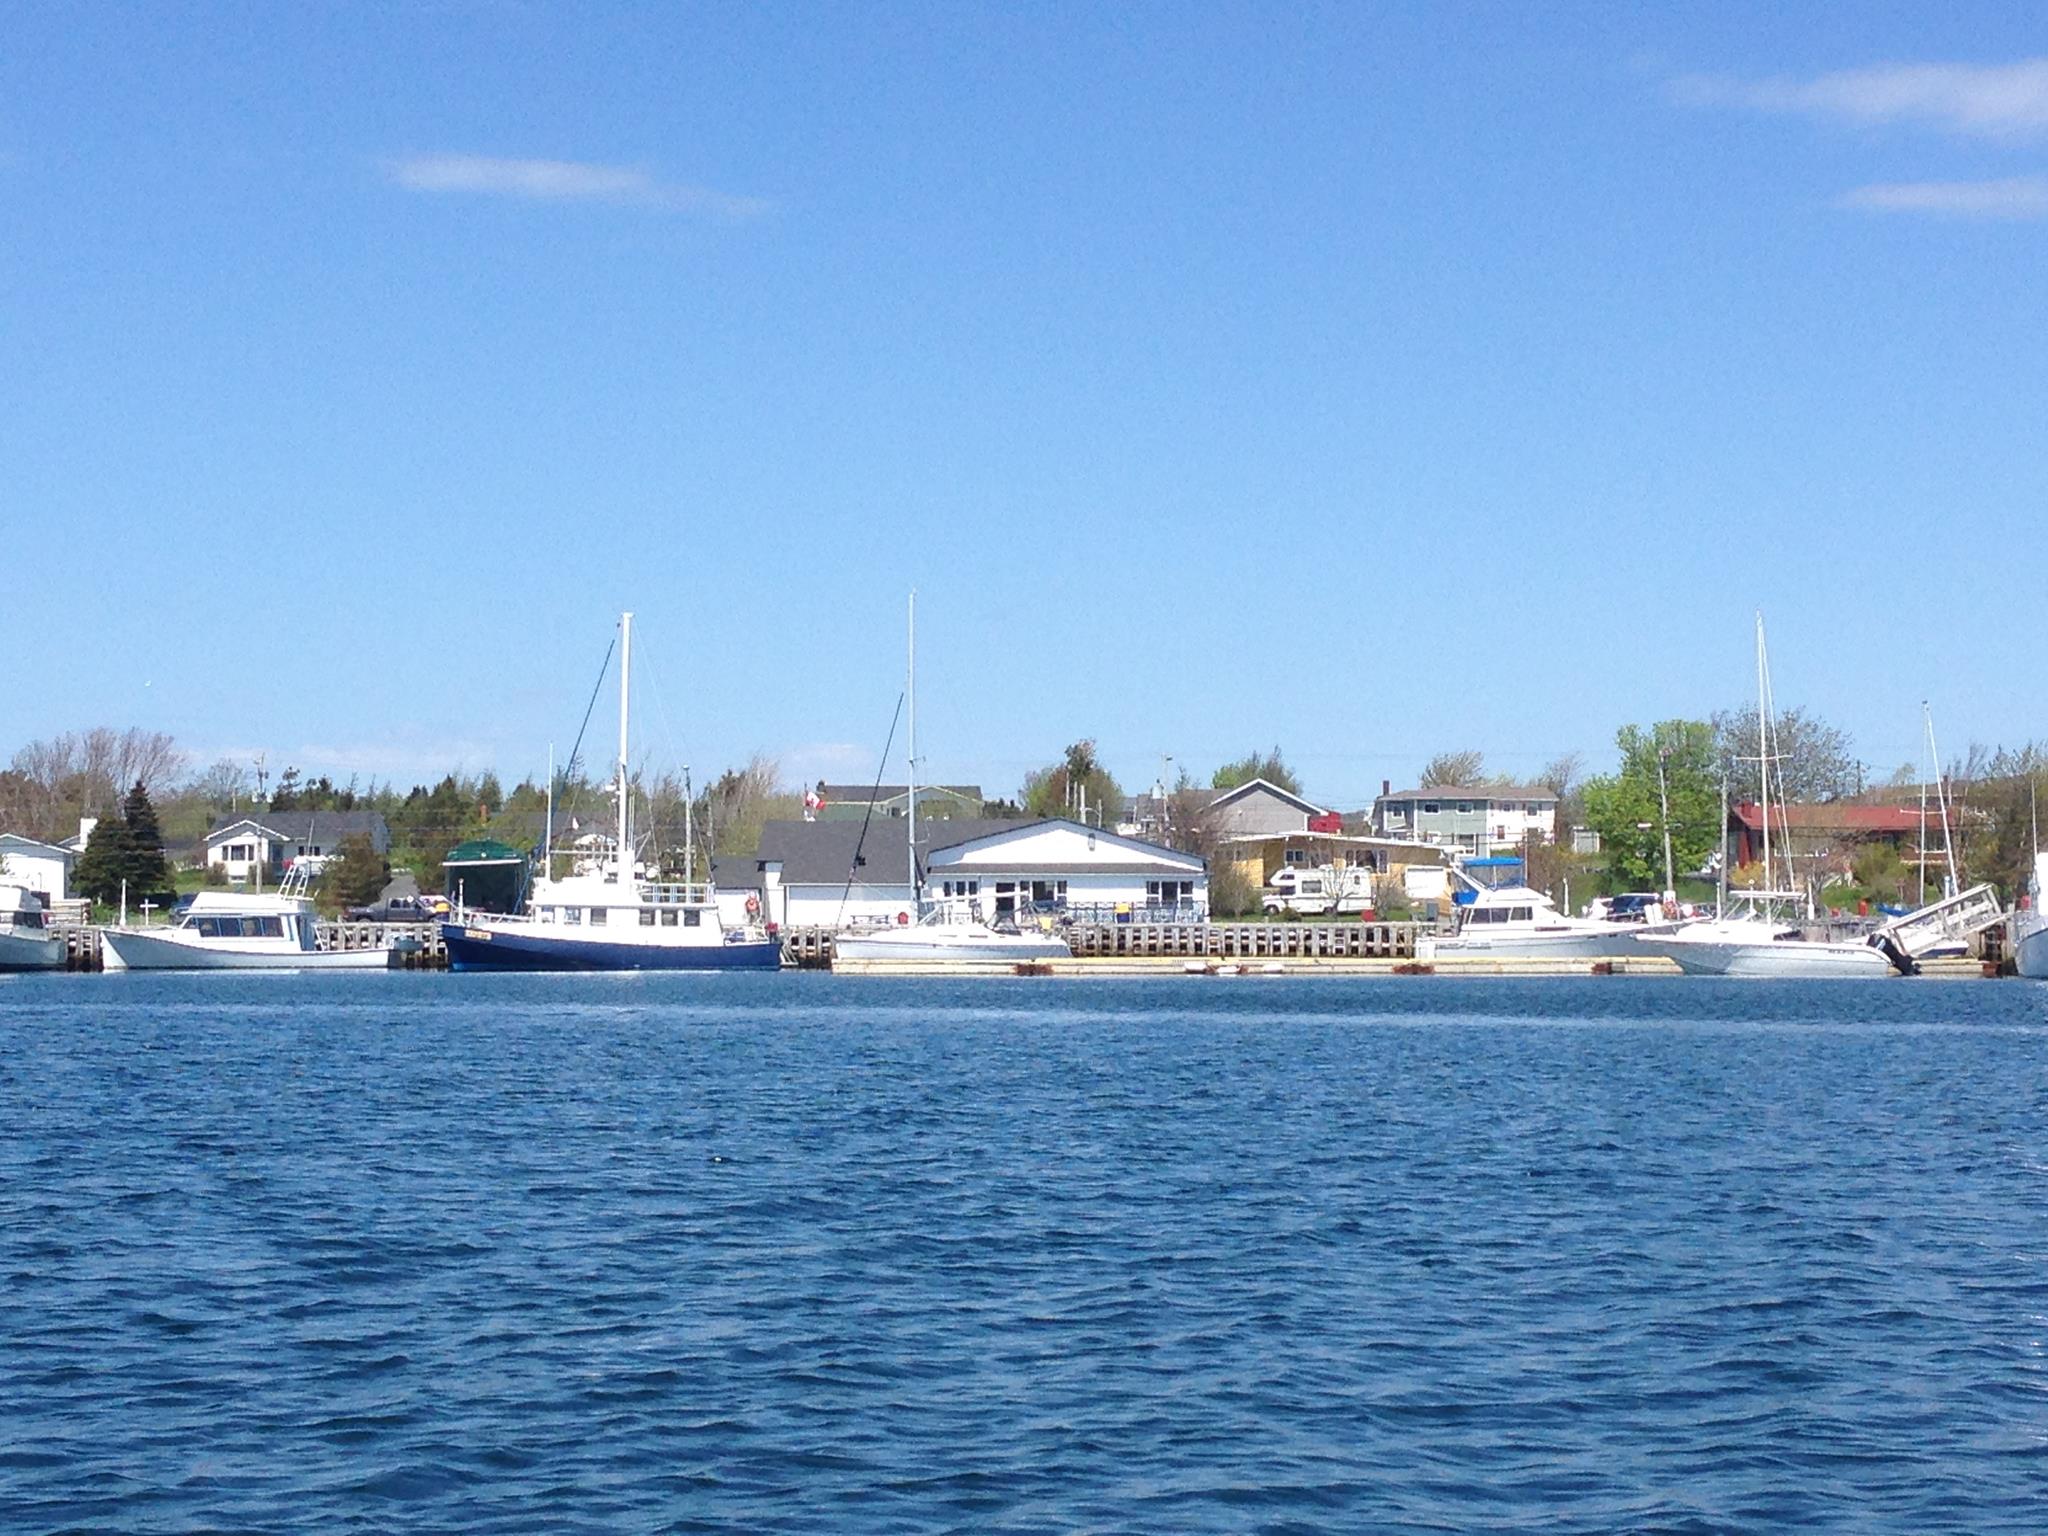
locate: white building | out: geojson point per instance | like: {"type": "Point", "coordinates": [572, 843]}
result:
{"type": "Point", "coordinates": [268, 841]}
{"type": "Point", "coordinates": [43, 868]}
{"type": "Point", "coordinates": [808, 874]}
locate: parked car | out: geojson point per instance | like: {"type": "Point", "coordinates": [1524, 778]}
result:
{"type": "Point", "coordinates": [399, 909]}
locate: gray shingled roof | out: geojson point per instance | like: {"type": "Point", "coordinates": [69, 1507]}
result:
{"type": "Point", "coordinates": [327, 828]}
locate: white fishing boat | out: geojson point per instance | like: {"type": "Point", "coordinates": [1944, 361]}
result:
{"type": "Point", "coordinates": [239, 931]}
{"type": "Point", "coordinates": [1768, 939]}
{"type": "Point", "coordinates": [2028, 934]}
{"type": "Point", "coordinates": [608, 913]}
{"type": "Point", "coordinates": [948, 930]}
{"type": "Point", "coordinates": [26, 940]}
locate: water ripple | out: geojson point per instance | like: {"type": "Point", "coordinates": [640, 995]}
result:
{"type": "Point", "coordinates": [715, 1254]}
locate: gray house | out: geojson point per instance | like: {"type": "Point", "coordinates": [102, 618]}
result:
{"type": "Point", "coordinates": [1477, 819]}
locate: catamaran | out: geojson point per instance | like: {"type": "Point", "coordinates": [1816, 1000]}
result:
{"type": "Point", "coordinates": [607, 913]}
{"type": "Point", "coordinates": [948, 929]}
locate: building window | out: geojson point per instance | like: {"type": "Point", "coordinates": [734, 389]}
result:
{"type": "Point", "coordinates": [1431, 807]}
{"type": "Point", "coordinates": [1464, 807]}
{"type": "Point", "coordinates": [668, 918]}
{"type": "Point", "coordinates": [572, 914]}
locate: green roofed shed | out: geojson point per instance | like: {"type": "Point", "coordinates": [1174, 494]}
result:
{"type": "Point", "coordinates": [486, 875]}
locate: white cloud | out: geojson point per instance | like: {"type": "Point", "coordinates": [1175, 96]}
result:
{"type": "Point", "coordinates": [1982, 100]}
{"type": "Point", "coordinates": [565, 181]}
{"type": "Point", "coordinates": [2018, 197]}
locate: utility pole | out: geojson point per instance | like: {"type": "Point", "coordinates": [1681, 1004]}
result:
{"type": "Point", "coordinates": [1664, 805]}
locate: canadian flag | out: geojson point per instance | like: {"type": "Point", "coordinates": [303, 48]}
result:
{"type": "Point", "coordinates": [813, 803]}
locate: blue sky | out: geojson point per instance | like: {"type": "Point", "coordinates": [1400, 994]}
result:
{"type": "Point", "coordinates": [1372, 380]}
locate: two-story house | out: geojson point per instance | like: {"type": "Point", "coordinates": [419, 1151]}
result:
{"type": "Point", "coordinates": [1496, 818]}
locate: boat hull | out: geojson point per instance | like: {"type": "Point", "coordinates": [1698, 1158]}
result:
{"type": "Point", "coordinates": [128, 949]}
{"type": "Point", "coordinates": [1775, 960]}
{"type": "Point", "coordinates": [2030, 943]}
{"type": "Point", "coordinates": [1537, 944]}
{"type": "Point", "coordinates": [473, 948]}
{"type": "Point", "coordinates": [31, 952]}
{"type": "Point", "coordinates": [1008, 948]}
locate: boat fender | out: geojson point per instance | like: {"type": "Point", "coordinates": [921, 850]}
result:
{"type": "Point", "coordinates": [902, 919]}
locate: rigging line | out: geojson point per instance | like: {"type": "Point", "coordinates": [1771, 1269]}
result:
{"type": "Point", "coordinates": [576, 750]}
{"type": "Point", "coordinates": [861, 841]}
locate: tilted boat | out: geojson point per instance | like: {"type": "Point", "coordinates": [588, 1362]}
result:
{"type": "Point", "coordinates": [607, 914]}
{"type": "Point", "coordinates": [26, 940]}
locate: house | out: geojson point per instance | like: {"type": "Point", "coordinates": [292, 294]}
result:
{"type": "Point", "coordinates": [43, 869]}
{"type": "Point", "coordinates": [1830, 832]}
{"type": "Point", "coordinates": [263, 844]}
{"type": "Point", "coordinates": [1256, 807]}
{"type": "Point", "coordinates": [1478, 820]}
{"type": "Point", "coordinates": [1260, 857]}
{"type": "Point", "coordinates": [851, 802]}
{"type": "Point", "coordinates": [821, 873]}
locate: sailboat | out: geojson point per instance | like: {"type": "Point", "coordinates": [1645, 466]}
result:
{"type": "Point", "coordinates": [605, 914]}
{"type": "Point", "coordinates": [1763, 941]}
{"type": "Point", "coordinates": [2028, 934]}
{"type": "Point", "coordinates": [948, 930]}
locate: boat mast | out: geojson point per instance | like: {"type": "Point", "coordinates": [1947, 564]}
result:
{"type": "Point", "coordinates": [625, 862]}
{"type": "Point", "coordinates": [910, 760]}
{"type": "Point", "coordinates": [547, 835]}
{"type": "Point", "coordinates": [1949, 884]}
{"type": "Point", "coordinates": [1763, 748]}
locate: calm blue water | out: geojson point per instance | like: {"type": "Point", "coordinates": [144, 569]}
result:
{"type": "Point", "coordinates": [547, 1254]}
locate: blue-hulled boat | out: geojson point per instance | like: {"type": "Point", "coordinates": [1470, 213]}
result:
{"type": "Point", "coordinates": [607, 914]}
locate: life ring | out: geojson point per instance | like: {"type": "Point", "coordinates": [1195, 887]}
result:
{"type": "Point", "coordinates": [903, 919]}
{"type": "Point", "coordinates": [753, 906]}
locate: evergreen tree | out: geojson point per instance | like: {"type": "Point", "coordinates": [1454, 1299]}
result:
{"type": "Point", "coordinates": [358, 877]}
{"type": "Point", "coordinates": [148, 871]}
{"type": "Point", "coordinates": [104, 864]}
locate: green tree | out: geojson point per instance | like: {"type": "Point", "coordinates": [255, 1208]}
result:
{"type": "Point", "coordinates": [1623, 806]}
{"type": "Point", "coordinates": [126, 850]}
{"type": "Point", "coordinates": [1077, 781]}
{"type": "Point", "coordinates": [360, 874]}
{"type": "Point", "coordinates": [104, 864]}
{"type": "Point", "coordinates": [1269, 766]}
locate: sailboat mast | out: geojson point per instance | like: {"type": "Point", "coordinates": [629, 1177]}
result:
{"type": "Point", "coordinates": [1949, 883]}
{"type": "Point", "coordinates": [910, 759]}
{"type": "Point", "coordinates": [1763, 748]}
{"type": "Point", "coordinates": [625, 867]}
{"type": "Point", "coordinates": [547, 834]}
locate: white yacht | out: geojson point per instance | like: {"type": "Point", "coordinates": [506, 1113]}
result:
{"type": "Point", "coordinates": [1765, 941]}
{"type": "Point", "coordinates": [1517, 922]}
{"type": "Point", "coordinates": [2028, 933]}
{"type": "Point", "coordinates": [238, 930]}
{"type": "Point", "coordinates": [947, 930]}
{"type": "Point", "coordinates": [26, 940]}
{"type": "Point", "coordinates": [606, 914]}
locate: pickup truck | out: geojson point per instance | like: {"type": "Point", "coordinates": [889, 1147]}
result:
{"type": "Point", "coordinates": [399, 909]}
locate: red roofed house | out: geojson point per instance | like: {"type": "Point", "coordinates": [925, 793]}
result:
{"type": "Point", "coordinates": [1821, 832]}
